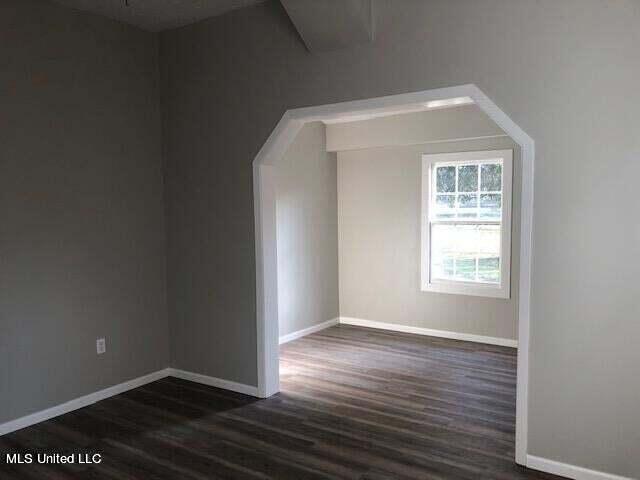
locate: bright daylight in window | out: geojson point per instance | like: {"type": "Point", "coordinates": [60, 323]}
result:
{"type": "Point", "coordinates": [466, 226]}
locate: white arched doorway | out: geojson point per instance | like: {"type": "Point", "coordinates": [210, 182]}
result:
{"type": "Point", "coordinates": [265, 226]}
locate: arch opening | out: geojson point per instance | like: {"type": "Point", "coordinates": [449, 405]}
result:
{"type": "Point", "coordinates": [265, 224]}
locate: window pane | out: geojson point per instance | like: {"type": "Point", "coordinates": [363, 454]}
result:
{"type": "Point", "coordinates": [465, 269]}
{"type": "Point", "coordinates": [446, 179]}
{"type": "Point", "coordinates": [448, 266]}
{"type": "Point", "coordinates": [468, 206]}
{"type": "Point", "coordinates": [445, 206]}
{"type": "Point", "coordinates": [465, 252]}
{"type": "Point", "coordinates": [491, 177]}
{"type": "Point", "coordinates": [468, 178]}
{"type": "Point", "coordinates": [491, 205]}
{"type": "Point", "coordinates": [489, 269]}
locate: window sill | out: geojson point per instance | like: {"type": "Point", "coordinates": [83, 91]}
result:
{"type": "Point", "coordinates": [471, 289]}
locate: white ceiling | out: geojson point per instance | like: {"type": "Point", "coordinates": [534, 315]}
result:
{"type": "Point", "coordinates": [393, 111]}
{"type": "Point", "coordinates": [157, 15]}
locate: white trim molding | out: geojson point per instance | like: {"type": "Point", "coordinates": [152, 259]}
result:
{"type": "Point", "coordinates": [308, 331]}
{"type": "Point", "coordinates": [266, 242]}
{"type": "Point", "coordinates": [570, 471]}
{"type": "Point", "coordinates": [214, 382]}
{"type": "Point", "coordinates": [80, 402]}
{"type": "Point", "coordinates": [394, 327]}
{"type": "Point", "coordinates": [86, 400]}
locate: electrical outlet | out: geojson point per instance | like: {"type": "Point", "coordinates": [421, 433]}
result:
{"type": "Point", "coordinates": [101, 346]}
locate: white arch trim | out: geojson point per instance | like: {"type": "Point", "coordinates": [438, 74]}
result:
{"type": "Point", "coordinates": [265, 226]}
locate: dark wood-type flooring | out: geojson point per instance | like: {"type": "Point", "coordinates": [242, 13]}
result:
{"type": "Point", "coordinates": [355, 403]}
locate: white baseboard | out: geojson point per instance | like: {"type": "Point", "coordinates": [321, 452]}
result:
{"type": "Point", "coordinates": [80, 402]}
{"type": "Point", "coordinates": [537, 463]}
{"type": "Point", "coordinates": [504, 342]}
{"type": "Point", "coordinates": [570, 471]}
{"type": "Point", "coordinates": [87, 400]}
{"type": "Point", "coordinates": [214, 382]}
{"type": "Point", "coordinates": [309, 331]}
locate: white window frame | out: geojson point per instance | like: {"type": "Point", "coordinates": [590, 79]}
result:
{"type": "Point", "coordinates": [501, 290]}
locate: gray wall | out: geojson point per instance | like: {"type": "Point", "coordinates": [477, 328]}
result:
{"type": "Point", "coordinates": [81, 206]}
{"type": "Point", "coordinates": [307, 232]}
{"type": "Point", "coordinates": [438, 125]}
{"type": "Point", "coordinates": [566, 72]}
{"type": "Point", "coordinates": [379, 212]}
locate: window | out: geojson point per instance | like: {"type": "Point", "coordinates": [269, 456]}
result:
{"type": "Point", "coordinates": [466, 223]}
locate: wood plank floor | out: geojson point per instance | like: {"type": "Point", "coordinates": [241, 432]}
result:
{"type": "Point", "coordinates": [356, 403]}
